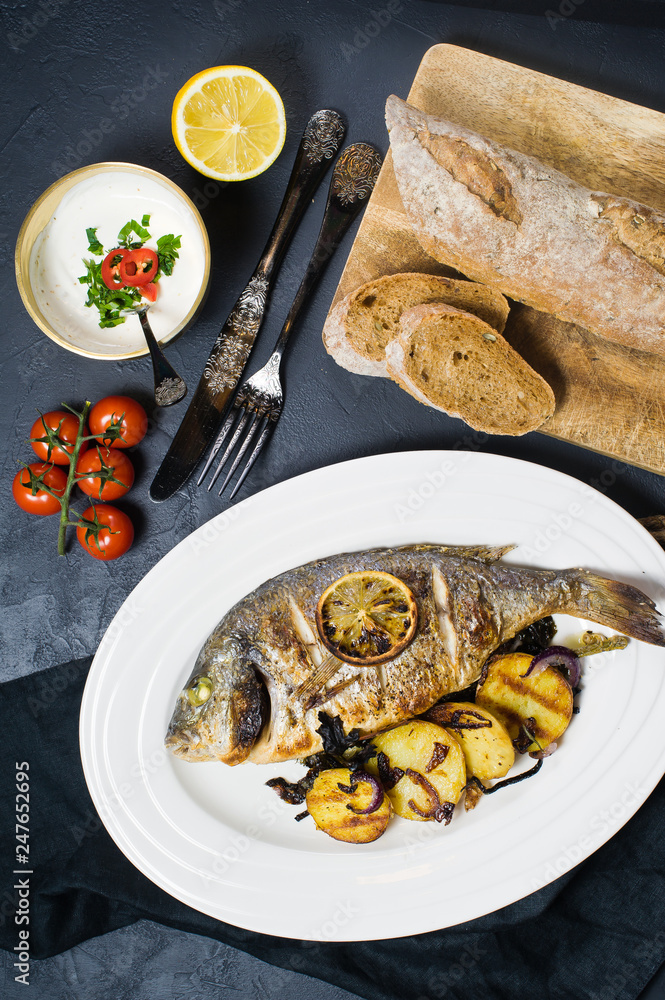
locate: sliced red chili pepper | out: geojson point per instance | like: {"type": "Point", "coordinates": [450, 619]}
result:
{"type": "Point", "coordinates": [110, 266]}
{"type": "Point", "coordinates": [140, 267]}
{"type": "Point", "coordinates": [149, 291]}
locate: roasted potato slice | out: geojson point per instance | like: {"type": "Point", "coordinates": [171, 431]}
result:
{"type": "Point", "coordinates": [488, 749]}
{"type": "Point", "coordinates": [546, 698]}
{"type": "Point", "coordinates": [333, 807]}
{"type": "Point", "coordinates": [433, 769]}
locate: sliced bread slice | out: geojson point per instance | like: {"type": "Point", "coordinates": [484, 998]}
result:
{"type": "Point", "coordinates": [359, 327]}
{"type": "Point", "coordinates": [451, 360]}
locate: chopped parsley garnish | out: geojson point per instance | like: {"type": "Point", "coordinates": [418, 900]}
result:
{"type": "Point", "coordinates": [113, 303]}
{"type": "Point", "coordinates": [125, 235]}
{"type": "Point", "coordinates": [110, 302]}
{"type": "Point", "coordinates": [167, 251]}
{"type": "Point", "coordinates": [94, 246]}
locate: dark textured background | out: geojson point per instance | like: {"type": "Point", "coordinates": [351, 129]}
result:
{"type": "Point", "coordinates": [65, 66]}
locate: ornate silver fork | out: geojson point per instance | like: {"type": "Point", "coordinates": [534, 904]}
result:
{"type": "Point", "coordinates": [258, 403]}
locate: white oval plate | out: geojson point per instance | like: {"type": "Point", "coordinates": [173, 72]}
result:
{"type": "Point", "coordinates": [216, 838]}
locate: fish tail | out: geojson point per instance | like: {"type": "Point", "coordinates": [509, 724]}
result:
{"type": "Point", "coordinates": [616, 605]}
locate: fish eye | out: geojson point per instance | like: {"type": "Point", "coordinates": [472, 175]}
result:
{"type": "Point", "coordinates": [199, 692]}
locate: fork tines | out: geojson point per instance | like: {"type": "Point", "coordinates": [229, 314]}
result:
{"type": "Point", "coordinates": [239, 419]}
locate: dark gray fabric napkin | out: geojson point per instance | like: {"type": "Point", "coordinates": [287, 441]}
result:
{"type": "Point", "coordinates": [597, 933]}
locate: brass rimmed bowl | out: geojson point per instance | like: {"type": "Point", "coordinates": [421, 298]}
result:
{"type": "Point", "coordinates": [62, 317]}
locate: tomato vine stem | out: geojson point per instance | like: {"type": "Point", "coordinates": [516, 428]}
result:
{"type": "Point", "coordinates": [71, 477]}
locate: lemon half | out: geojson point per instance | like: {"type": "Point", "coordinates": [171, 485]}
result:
{"type": "Point", "coordinates": [228, 122]}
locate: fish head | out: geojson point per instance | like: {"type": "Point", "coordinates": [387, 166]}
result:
{"type": "Point", "coordinates": [220, 712]}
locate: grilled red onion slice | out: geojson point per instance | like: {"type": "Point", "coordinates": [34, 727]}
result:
{"type": "Point", "coordinates": [440, 811]}
{"type": "Point", "coordinates": [377, 799]}
{"type": "Point", "coordinates": [389, 775]}
{"type": "Point", "coordinates": [560, 657]}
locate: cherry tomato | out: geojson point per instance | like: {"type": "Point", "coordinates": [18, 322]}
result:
{"type": "Point", "coordinates": [42, 502]}
{"type": "Point", "coordinates": [95, 486]}
{"type": "Point", "coordinates": [110, 267]}
{"type": "Point", "coordinates": [149, 291]}
{"type": "Point", "coordinates": [112, 539]}
{"type": "Point", "coordinates": [112, 409]}
{"type": "Point", "coordinates": [66, 426]}
{"type": "Point", "coordinates": [139, 267]}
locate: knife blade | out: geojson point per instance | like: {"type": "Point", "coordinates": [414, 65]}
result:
{"type": "Point", "coordinates": [320, 142]}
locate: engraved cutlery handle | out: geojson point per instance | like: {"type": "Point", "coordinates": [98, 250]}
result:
{"type": "Point", "coordinates": [320, 142]}
{"type": "Point", "coordinates": [170, 388]}
{"type": "Point", "coordinates": [353, 179]}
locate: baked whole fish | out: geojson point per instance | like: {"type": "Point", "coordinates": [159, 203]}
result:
{"type": "Point", "coordinates": [258, 669]}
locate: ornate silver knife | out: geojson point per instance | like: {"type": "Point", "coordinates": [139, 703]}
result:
{"type": "Point", "coordinates": [321, 140]}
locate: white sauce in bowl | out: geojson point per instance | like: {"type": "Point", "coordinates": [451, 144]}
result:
{"type": "Point", "coordinates": [106, 202]}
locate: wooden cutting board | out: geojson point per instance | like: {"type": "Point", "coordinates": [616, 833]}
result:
{"type": "Point", "coordinates": [609, 398]}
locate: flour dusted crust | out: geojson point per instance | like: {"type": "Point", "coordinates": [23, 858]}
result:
{"type": "Point", "coordinates": [505, 219]}
{"type": "Point", "coordinates": [452, 361]}
{"type": "Point", "coordinates": [359, 327]}
{"type": "Point", "coordinates": [341, 348]}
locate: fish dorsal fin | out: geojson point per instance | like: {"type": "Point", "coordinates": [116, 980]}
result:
{"type": "Point", "coordinates": [444, 613]}
{"type": "Point", "coordinates": [485, 553]}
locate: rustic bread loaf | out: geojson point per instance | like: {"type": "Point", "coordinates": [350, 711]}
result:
{"type": "Point", "coordinates": [451, 360]}
{"type": "Point", "coordinates": [360, 326]}
{"type": "Point", "coordinates": [505, 219]}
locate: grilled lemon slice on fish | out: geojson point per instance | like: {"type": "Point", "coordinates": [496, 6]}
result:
{"type": "Point", "coordinates": [367, 617]}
